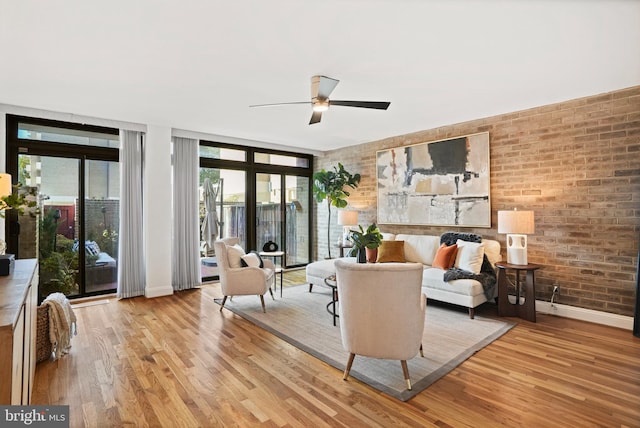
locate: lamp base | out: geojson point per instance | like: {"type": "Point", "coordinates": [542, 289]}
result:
{"type": "Point", "coordinates": [517, 249]}
{"type": "Point", "coordinates": [346, 236]}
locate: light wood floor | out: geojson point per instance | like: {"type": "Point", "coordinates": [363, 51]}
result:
{"type": "Point", "coordinates": [177, 361]}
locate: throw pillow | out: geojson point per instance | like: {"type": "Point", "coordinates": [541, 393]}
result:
{"type": "Point", "coordinates": [234, 254]}
{"type": "Point", "coordinates": [445, 256]}
{"type": "Point", "coordinates": [250, 260]}
{"type": "Point", "coordinates": [470, 256]}
{"type": "Point", "coordinates": [391, 251]}
{"type": "Point", "coordinates": [92, 248]}
{"type": "Point", "coordinates": [255, 255]}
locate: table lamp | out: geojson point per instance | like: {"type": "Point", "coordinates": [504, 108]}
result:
{"type": "Point", "coordinates": [5, 190]}
{"type": "Point", "coordinates": [5, 185]}
{"type": "Point", "coordinates": [346, 219]}
{"type": "Point", "coordinates": [517, 225]}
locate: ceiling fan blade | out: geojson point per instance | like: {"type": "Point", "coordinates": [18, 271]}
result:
{"type": "Point", "coordinates": [315, 117]}
{"type": "Point", "coordinates": [379, 105]}
{"type": "Point", "coordinates": [280, 104]}
{"type": "Point", "coordinates": [322, 86]}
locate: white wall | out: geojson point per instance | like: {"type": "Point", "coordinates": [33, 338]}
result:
{"type": "Point", "coordinates": [157, 210]}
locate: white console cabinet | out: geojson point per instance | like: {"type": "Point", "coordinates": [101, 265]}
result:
{"type": "Point", "coordinates": [18, 311]}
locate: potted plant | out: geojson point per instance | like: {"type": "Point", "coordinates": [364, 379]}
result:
{"type": "Point", "coordinates": [330, 185]}
{"type": "Point", "coordinates": [366, 243]}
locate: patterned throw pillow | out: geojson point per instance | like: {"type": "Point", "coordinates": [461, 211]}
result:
{"type": "Point", "coordinates": [92, 248]}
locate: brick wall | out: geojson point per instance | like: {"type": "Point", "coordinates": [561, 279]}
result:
{"type": "Point", "coordinates": [576, 164]}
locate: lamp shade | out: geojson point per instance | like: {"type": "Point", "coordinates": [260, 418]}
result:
{"type": "Point", "coordinates": [347, 218]}
{"type": "Point", "coordinates": [518, 222]}
{"type": "Point", "coordinates": [5, 185]}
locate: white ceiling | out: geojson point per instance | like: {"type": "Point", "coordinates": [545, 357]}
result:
{"type": "Point", "coordinates": [197, 65]}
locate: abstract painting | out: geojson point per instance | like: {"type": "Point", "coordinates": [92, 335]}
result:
{"type": "Point", "coordinates": [439, 183]}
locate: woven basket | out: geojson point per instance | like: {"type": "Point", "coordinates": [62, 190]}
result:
{"type": "Point", "coordinates": [43, 344]}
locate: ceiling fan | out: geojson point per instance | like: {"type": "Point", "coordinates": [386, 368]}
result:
{"type": "Point", "coordinates": [321, 88]}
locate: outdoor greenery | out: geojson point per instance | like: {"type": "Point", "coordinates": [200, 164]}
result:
{"type": "Point", "coordinates": [20, 199]}
{"type": "Point", "coordinates": [330, 185]}
{"type": "Point", "coordinates": [58, 261]}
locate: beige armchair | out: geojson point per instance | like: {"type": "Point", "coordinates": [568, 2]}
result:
{"type": "Point", "coordinates": [237, 281]}
{"type": "Point", "coordinates": [382, 310]}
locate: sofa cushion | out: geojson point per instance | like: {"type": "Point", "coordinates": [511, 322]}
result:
{"type": "Point", "coordinates": [322, 268]}
{"type": "Point", "coordinates": [470, 256]}
{"type": "Point", "coordinates": [419, 248]}
{"type": "Point", "coordinates": [445, 256]}
{"type": "Point", "coordinates": [388, 236]}
{"type": "Point", "coordinates": [391, 251]}
{"type": "Point", "coordinates": [433, 278]}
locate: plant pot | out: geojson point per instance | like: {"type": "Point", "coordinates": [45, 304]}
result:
{"type": "Point", "coordinates": [362, 256]}
{"type": "Point", "coordinates": [372, 255]}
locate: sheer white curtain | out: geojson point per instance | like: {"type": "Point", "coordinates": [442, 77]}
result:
{"type": "Point", "coordinates": [131, 263]}
{"type": "Point", "coordinates": [186, 218]}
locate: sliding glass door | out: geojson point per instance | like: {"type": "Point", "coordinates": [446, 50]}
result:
{"type": "Point", "coordinates": [101, 224]}
{"type": "Point", "coordinates": [268, 210]}
{"type": "Point", "coordinates": [283, 216]}
{"type": "Point", "coordinates": [296, 219]}
{"type": "Point", "coordinates": [65, 266]}
{"type": "Point", "coordinates": [222, 213]}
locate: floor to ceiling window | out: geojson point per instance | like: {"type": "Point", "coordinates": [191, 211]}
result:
{"type": "Point", "coordinates": [75, 172]}
{"type": "Point", "coordinates": [260, 196]}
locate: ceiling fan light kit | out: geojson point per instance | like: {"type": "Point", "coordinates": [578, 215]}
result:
{"type": "Point", "coordinates": [320, 104]}
{"type": "Point", "coordinates": [321, 88]}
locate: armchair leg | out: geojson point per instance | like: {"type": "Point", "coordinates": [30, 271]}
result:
{"type": "Point", "coordinates": [310, 287]}
{"type": "Point", "coordinates": [271, 292]}
{"type": "Point", "coordinates": [348, 368]}
{"type": "Point", "coordinates": [471, 313]}
{"type": "Point", "coordinates": [405, 370]}
{"type": "Point", "coordinates": [224, 299]}
{"type": "Point", "coordinates": [262, 301]}
{"type": "Point", "coordinates": [421, 351]}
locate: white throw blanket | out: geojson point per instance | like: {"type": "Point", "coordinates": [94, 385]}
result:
{"type": "Point", "coordinates": [62, 323]}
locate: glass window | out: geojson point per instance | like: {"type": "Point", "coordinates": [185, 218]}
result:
{"type": "Point", "coordinates": [274, 206]}
{"type": "Point", "coordinates": [282, 160]}
{"type": "Point", "coordinates": [210, 152]}
{"type": "Point", "coordinates": [31, 131]}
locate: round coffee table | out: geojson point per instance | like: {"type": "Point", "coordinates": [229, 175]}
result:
{"type": "Point", "coordinates": [330, 281]}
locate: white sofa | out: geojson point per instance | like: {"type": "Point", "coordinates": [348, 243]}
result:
{"type": "Point", "coordinates": [422, 249]}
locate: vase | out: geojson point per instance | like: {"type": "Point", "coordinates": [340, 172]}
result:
{"type": "Point", "coordinates": [372, 255]}
{"type": "Point", "coordinates": [361, 256]}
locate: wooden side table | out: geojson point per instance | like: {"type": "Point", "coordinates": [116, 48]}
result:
{"type": "Point", "coordinates": [524, 309]}
{"type": "Point", "coordinates": [342, 247]}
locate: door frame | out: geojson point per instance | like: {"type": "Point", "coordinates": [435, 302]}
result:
{"type": "Point", "coordinates": [19, 146]}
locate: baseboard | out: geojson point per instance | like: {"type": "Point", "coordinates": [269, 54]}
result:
{"type": "Point", "coordinates": [158, 291]}
{"type": "Point", "coordinates": [574, 312]}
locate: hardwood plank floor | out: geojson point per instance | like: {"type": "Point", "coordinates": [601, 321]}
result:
{"type": "Point", "coordinates": [177, 361]}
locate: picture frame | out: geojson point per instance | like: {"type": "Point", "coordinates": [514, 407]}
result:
{"type": "Point", "coordinates": [436, 183]}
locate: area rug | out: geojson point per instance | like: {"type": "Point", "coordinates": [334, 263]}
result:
{"type": "Point", "coordinates": [301, 319]}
